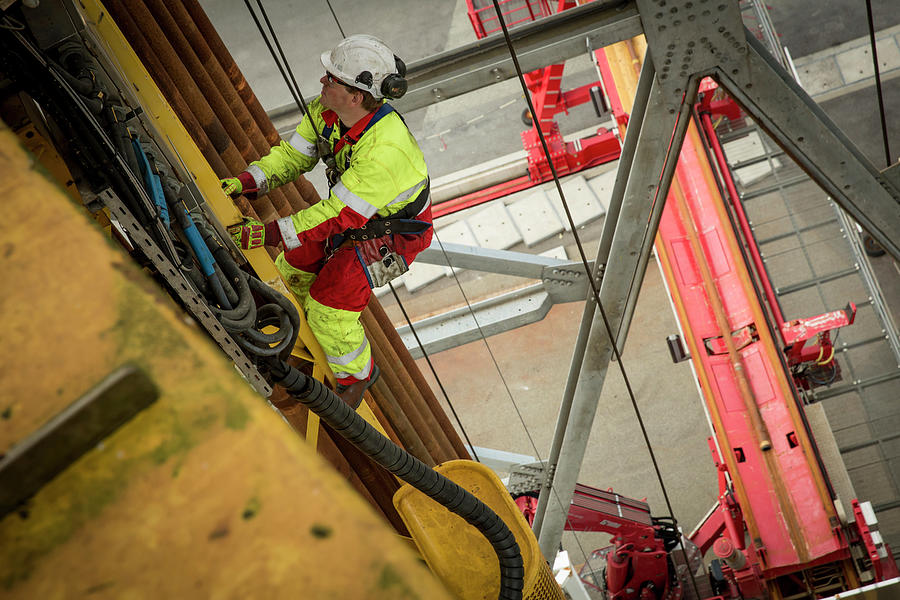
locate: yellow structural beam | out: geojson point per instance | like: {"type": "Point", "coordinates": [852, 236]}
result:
{"type": "Point", "coordinates": [173, 135]}
{"type": "Point", "coordinates": [206, 493]}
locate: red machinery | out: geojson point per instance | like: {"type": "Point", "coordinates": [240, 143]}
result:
{"type": "Point", "coordinates": [638, 565]}
{"type": "Point", "coordinates": [811, 363]}
{"type": "Point", "coordinates": [549, 100]}
{"type": "Point", "coordinates": [775, 530]}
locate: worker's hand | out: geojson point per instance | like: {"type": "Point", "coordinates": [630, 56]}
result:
{"type": "Point", "coordinates": [248, 235]}
{"type": "Point", "coordinates": [232, 186]}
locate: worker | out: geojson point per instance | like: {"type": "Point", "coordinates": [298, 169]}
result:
{"type": "Point", "coordinates": [376, 218]}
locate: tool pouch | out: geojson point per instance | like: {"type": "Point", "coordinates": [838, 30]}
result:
{"type": "Point", "coordinates": [380, 261]}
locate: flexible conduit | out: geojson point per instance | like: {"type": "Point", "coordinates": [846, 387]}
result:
{"type": "Point", "coordinates": [340, 417]}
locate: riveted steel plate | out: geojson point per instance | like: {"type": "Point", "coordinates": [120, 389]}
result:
{"type": "Point", "coordinates": [686, 37]}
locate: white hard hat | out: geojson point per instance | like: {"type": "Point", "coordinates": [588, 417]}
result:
{"type": "Point", "coordinates": [366, 63]}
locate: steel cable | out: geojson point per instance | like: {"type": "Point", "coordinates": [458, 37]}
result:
{"type": "Point", "coordinates": [313, 394]}
{"type": "Point", "coordinates": [595, 291]}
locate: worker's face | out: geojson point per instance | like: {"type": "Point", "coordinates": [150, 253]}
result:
{"type": "Point", "coordinates": [337, 95]}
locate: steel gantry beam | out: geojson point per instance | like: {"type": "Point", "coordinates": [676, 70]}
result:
{"type": "Point", "coordinates": [791, 118]}
{"type": "Point", "coordinates": [688, 40]}
{"type": "Point", "coordinates": [648, 182]}
{"type": "Point", "coordinates": [479, 64]}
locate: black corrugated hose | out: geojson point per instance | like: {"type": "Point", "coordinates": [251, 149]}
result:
{"type": "Point", "coordinates": [245, 322]}
{"type": "Point", "coordinates": [339, 416]}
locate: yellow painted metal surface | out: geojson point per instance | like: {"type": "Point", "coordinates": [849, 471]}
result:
{"type": "Point", "coordinates": [468, 565]}
{"type": "Point", "coordinates": [157, 109]}
{"type": "Point", "coordinates": [205, 494]}
{"type": "Point", "coordinates": [175, 136]}
{"type": "Point", "coordinates": [625, 59]}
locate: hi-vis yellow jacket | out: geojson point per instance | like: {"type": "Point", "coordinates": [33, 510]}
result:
{"type": "Point", "coordinates": [381, 170]}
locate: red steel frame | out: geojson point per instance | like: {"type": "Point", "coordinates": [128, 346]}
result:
{"type": "Point", "coordinates": [520, 11]}
{"type": "Point", "coordinates": [548, 100]}
{"type": "Point", "coordinates": [782, 493]}
{"type": "Point", "coordinates": [775, 515]}
{"type": "Point", "coordinates": [637, 565]}
{"type": "Point", "coordinates": [796, 333]}
{"type": "Point", "coordinates": [771, 485]}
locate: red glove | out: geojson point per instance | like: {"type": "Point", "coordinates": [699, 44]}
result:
{"type": "Point", "coordinates": [248, 235]}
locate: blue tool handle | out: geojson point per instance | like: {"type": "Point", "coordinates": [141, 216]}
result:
{"type": "Point", "coordinates": [204, 256]}
{"type": "Point", "coordinates": [152, 181]}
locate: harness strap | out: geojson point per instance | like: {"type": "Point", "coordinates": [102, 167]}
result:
{"type": "Point", "coordinates": [385, 227]}
{"type": "Point", "coordinates": [359, 128]}
{"type": "Point", "coordinates": [402, 221]}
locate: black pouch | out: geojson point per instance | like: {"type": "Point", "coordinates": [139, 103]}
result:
{"type": "Point", "coordinates": [380, 261]}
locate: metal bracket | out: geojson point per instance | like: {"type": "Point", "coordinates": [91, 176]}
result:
{"type": "Point", "coordinates": [527, 478]}
{"type": "Point", "coordinates": [688, 37]}
{"type": "Point", "coordinates": [565, 282]}
{"type": "Point", "coordinates": [48, 451]}
{"type": "Point", "coordinates": [190, 299]}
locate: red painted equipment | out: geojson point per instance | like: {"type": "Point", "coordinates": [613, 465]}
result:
{"type": "Point", "coordinates": [549, 100]}
{"type": "Point", "coordinates": [878, 553]}
{"type": "Point", "coordinates": [782, 492]}
{"type": "Point", "coordinates": [812, 364]}
{"type": "Point", "coordinates": [638, 566]}
{"type": "Point", "coordinates": [775, 522]}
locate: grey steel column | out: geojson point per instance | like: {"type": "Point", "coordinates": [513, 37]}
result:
{"type": "Point", "coordinates": [797, 124]}
{"type": "Point", "coordinates": [626, 159]}
{"type": "Point", "coordinates": [644, 198]}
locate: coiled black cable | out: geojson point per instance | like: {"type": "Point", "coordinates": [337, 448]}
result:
{"type": "Point", "coordinates": [245, 323]}
{"type": "Point", "coordinates": [242, 318]}
{"type": "Point", "coordinates": [339, 416]}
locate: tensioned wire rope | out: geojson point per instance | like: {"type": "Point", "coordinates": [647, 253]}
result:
{"type": "Point", "coordinates": [593, 284]}
{"type": "Point", "coordinates": [880, 94]}
{"type": "Point", "coordinates": [291, 82]}
{"type": "Point", "coordinates": [292, 85]}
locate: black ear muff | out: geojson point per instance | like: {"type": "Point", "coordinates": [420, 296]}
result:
{"type": "Point", "coordinates": [395, 85]}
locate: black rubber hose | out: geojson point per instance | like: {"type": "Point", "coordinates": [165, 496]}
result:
{"type": "Point", "coordinates": [120, 136]}
{"type": "Point", "coordinates": [276, 298]}
{"type": "Point", "coordinates": [230, 291]}
{"type": "Point", "coordinates": [219, 281]}
{"type": "Point", "coordinates": [285, 306]}
{"type": "Point", "coordinates": [243, 315]}
{"type": "Point", "coordinates": [260, 344]}
{"type": "Point", "coordinates": [339, 416]}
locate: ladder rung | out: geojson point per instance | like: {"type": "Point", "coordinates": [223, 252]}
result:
{"type": "Point", "coordinates": [774, 188]}
{"type": "Point", "coordinates": [796, 287]}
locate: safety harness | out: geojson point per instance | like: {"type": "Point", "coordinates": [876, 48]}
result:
{"type": "Point", "coordinates": [373, 242]}
{"type": "Point", "coordinates": [352, 136]}
{"type": "Point", "coordinates": [403, 221]}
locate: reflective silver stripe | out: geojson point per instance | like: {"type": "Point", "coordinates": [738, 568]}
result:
{"type": "Point", "coordinates": [348, 358]}
{"type": "Point", "coordinates": [288, 233]}
{"type": "Point", "coordinates": [406, 195]}
{"type": "Point", "coordinates": [353, 201]}
{"type": "Point", "coordinates": [262, 185]}
{"type": "Point", "coordinates": [303, 146]}
{"type": "Point", "coordinates": [362, 375]}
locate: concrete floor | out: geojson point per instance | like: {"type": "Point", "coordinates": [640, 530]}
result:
{"type": "Point", "coordinates": [506, 389]}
